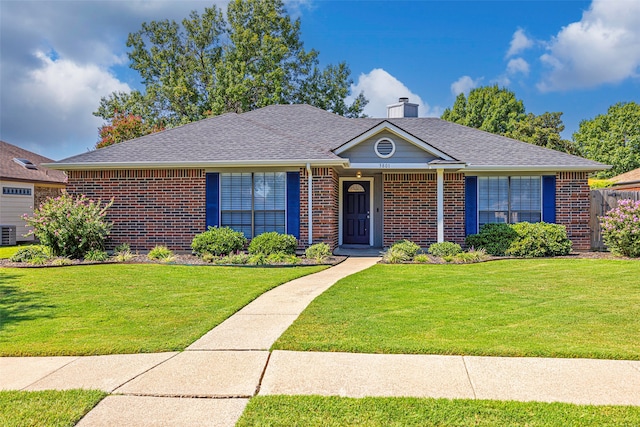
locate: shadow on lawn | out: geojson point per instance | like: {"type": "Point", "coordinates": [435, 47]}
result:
{"type": "Point", "coordinates": [20, 305]}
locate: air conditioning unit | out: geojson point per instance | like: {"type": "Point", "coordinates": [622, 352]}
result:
{"type": "Point", "coordinates": [7, 235]}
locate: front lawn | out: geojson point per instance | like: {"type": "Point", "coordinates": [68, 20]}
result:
{"type": "Point", "coordinates": [534, 307]}
{"type": "Point", "coordinates": [46, 408]}
{"type": "Point", "coordinates": [7, 252]}
{"type": "Point", "coordinates": [383, 411]}
{"type": "Point", "coordinates": [123, 308]}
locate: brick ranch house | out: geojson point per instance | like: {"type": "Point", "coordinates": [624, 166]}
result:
{"type": "Point", "coordinates": [325, 178]}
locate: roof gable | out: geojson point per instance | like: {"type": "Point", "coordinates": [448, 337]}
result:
{"type": "Point", "coordinates": [386, 126]}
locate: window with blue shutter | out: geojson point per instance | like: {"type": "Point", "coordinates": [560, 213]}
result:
{"type": "Point", "coordinates": [549, 198]}
{"type": "Point", "coordinates": [293, 204]}
{"type": "Point", "coordinates": [471, 204]}
{"type": "Point", "coordinates": [213, 200]}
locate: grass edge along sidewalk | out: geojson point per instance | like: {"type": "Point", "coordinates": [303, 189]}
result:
{"type": "Point", "coordinates": [123, 308]}
{"type": "Point", "coordinates": [525, 307]}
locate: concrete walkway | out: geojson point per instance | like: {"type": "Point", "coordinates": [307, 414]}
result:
{"type": "Point", "coordinates": [211, 382]}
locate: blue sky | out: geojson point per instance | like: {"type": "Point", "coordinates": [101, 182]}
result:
{"type": "Point", "coordinates": [58, 58]}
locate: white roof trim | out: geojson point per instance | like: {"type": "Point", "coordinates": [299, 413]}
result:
{"type": "Point", "coordinates": [193, 165]}
{"type": "Point", "coordinates": [549, 168]}
{"type": "Point", "coordinates": [385, 125]}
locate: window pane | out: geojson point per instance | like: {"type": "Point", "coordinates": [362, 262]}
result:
{"type": "Point", "coordinates": [526, 198]}
{"type": "Point", "coordinates": [493, 199]}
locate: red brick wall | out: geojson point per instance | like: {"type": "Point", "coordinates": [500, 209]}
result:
{"type": "Point", "coordinates": [410, 208]}
{"type": "Point", "coordinates": [151, 207]}
{"type": "Point", "coordinates": [325, 206]}
{"type": "Point", "coordinates": [572, 207]}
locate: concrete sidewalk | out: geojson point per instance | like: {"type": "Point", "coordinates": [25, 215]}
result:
{"type": "Point", "coordinates": [211, 382]}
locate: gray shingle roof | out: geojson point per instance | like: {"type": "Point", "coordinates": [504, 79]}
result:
{"type": "Point", "coordinates": [300, 133]}
{"type": "Point", "coordinates": [11, 170]}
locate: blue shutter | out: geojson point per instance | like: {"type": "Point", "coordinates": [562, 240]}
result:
{"type": "Point", "coordinates": [549, 198]}
{"type": "Point", "coordinates": [471, 204]}
{"type": "Point", "coordinates": [293, 204]}
{"type": "Point", "coordinates": [213, 200]}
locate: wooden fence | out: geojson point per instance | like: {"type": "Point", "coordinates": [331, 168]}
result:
{"type": "Point", "coordinates": [601, 202]}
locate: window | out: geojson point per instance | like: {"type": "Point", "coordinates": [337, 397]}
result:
{"type": "Point", "coordinates": [509, 199]}
{"type": "Point", "coordinates": [16, 191]}
{"type": "Point", "coordinates": [253, 203]}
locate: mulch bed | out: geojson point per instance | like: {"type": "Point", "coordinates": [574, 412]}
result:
{"type": "Point", "coordinates": [178, 259]}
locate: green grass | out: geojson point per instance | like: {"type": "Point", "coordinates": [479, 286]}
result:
{"type": "Point", "coordinates": [337, 411]}
{"type": "Point", "coordinates": [8, 251]}
{"type": "Point", "coordinates": [107, 309]}
{"type": "Point", "coordinates": [542, 308]}
{"type": "Point", "coordinates": [46, 408]}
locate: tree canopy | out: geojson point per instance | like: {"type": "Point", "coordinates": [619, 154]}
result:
{"type": "Point", "coordinates": [497, 110]}
{"type": "Point", "coordinates": [612, 138]}
{"type": "Point", "coordinates": [211, 64]}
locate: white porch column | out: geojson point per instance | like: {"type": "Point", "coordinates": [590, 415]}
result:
{"type": "Point", "coordinates": [309, 203]}
{"type": "Point", "coordinates": [440, 208]}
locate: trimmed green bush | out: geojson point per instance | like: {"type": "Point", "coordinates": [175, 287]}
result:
{"type": "Point", "coordinates": [318, 252]}
{"type": "Point", "coordinates": [407, 246]}
{"type": "Point", "coordinates": [539, 239]}
{"type": "Point", "coordinates": [70, 226]}
{"type": "Point", "coordinates": [443, 249]}
{"type": "Point", "coordinates": [621, 228]}
{"type": "Point", "coordinates": [218, 241]}
{"type": "Point", "coordinates": [273, 243]}
{"type": "Point", "coordinates": [29, 253]}
{"type": "Point", "coordinates": [494, 238]}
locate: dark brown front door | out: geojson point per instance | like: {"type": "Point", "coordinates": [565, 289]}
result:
{"type": "Point", "coordinates": [355, 216]}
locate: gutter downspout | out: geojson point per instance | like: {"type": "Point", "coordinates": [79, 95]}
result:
{"type": "Point", "coordinates": [309, 204]}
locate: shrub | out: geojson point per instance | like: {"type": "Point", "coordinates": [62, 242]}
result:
{"type": "Point", "coordinates": [235, 259]}
{"type": "Point", "coordinates": [539, 239]}
{"type": "Point", "coordinates": [470, 256]}
{"type": "Point", "coordinates": [621, 228]}
{"type": "Point", "coordinates": [218, 241]}
{"type": "Point", "coordinates": [408, 247]}
{"type": "Point", "coordinates": [161, 253]}
{"type": "Point", "coordinates": [70, 226]}
{"type": "Point", "coordinates": [257, 259]}
{"type": "Point", "coordinates": [395, 255]}
{"type": "Point", "coordinates": [318, 252]}
{"type": "Point", "coordinates": [422, 259]}
{"type": "Point", "coordinates": [61, 261]}
{"type": "Point", "coordinates": [28, 253]}
{"type": "Point", "coordinates": [493, 238]}
{"type": "Point", "coordinates": [282, 258]}
{"type": "Point", "coordinates": [273, 243]}
{"type": "Point", "coordinates": [122, 253]}
{"type": "Point", "coordinates": [443, 249]}
{"type": "Point", "coordinates": [96, 255]}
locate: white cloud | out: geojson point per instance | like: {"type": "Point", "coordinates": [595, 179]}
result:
{"type": "Point", "coordinates": [382, 89]}
{"type": "Point", "coordinates": [519, 43]}
{"type": "Point", "coordinates": [603, 47]}
{"type": "Point", "coordinates": [464, 84]}
{"type": "Point", "coordinates": [53, 103]}
{"type": "Point", "coordinates": [518, 65]}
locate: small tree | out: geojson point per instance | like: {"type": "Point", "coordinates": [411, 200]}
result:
{"type": "Point", "coordinates": [71, 226]}
{"type": "Point", "coordinates": [124, 127]}
{"type": "Point", "coordinates": [621, 228]}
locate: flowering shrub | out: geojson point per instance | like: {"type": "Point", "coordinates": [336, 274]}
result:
{"type": "Point", "coordinates": [70, 226]}
{"type": "Point", "coordinates": [621, 228]}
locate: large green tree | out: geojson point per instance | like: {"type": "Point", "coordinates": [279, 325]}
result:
{"type": "Point", "coordinates": [612, 138]}
{"type": "Point", "coordinates": [544, 131]}
{"type": "Point", "coordinates": [211, 65]}
{"type": "Point", "coordinates": [489, 108]}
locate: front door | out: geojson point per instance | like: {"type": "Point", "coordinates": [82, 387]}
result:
{"type": "Point", "coordinates": [355, 216]}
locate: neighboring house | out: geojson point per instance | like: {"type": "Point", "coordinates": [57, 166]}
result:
{"type": "Point", "coordinates": [326, 178]}
{"type": "Point", "coordinates": [25, 183]}
{"type": "Point", "coordinates": [629, 181]}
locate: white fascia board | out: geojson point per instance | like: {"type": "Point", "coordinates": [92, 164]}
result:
{"type": "Point", "coordinates": [193, 165]}
{"type": "Point", "coordinates": [396, 131]}
{"type": "Point", "coordinates": [502, 168]}
{"type": "Point", "coordinates": [387, 165]}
